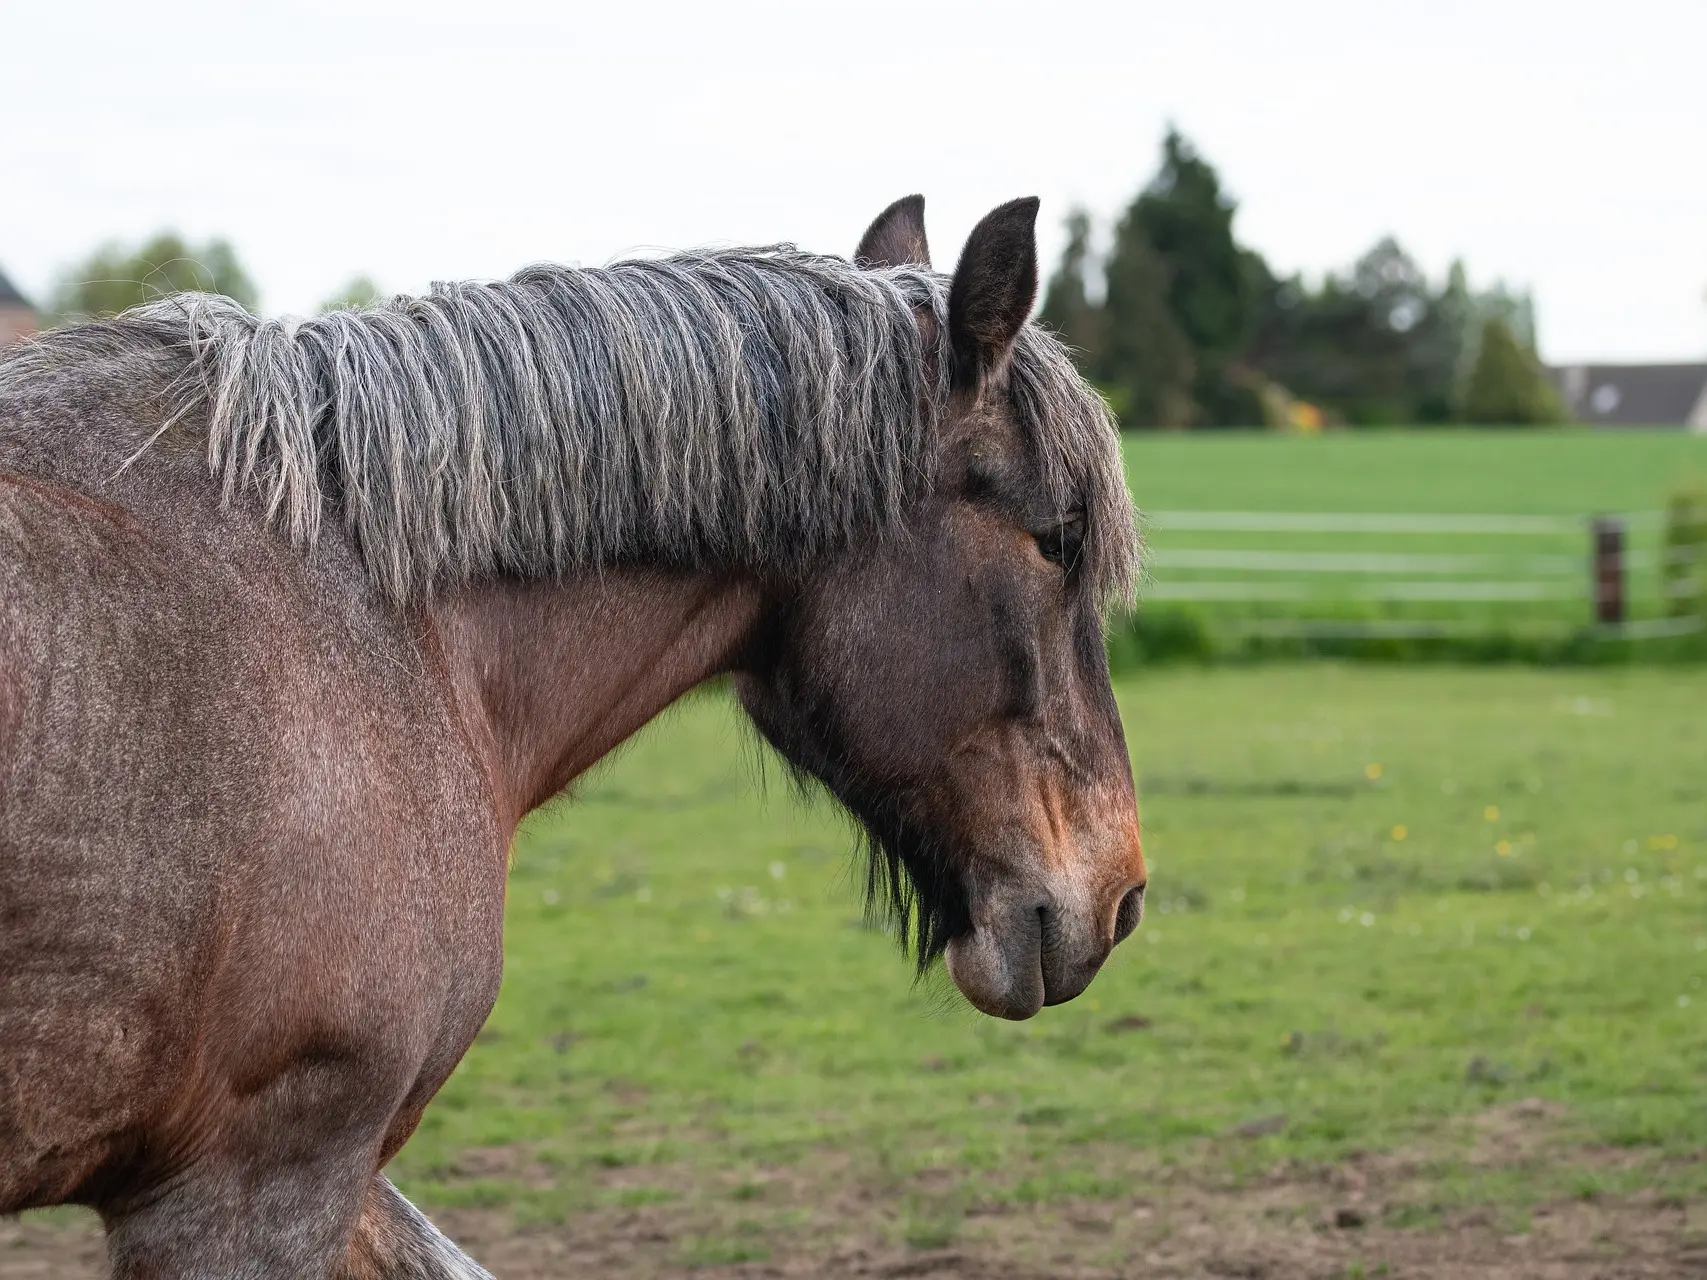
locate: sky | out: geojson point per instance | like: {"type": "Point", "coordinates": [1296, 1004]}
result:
{"type": "Point", "coordinates": [1558, 146]}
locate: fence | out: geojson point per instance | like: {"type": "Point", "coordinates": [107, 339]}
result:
{"type": "Point", "coordinates": [1345, 574]}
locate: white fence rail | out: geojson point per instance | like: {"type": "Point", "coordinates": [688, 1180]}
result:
{"type": "Point", "coordinates": [1381, 522]}
{"type": "Point", "coordinates": [1307, 583]}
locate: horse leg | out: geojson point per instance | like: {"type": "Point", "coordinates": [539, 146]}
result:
{"type": "Point", "coordinates": [227, 1221]}
{"type": "Point", "coordinates": [276, 1191]}
{"type": "Point", "coordinates": [394, 1241]}
{"type": "Point", "coordinates": [289, 1228]}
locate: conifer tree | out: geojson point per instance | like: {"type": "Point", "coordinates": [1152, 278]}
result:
{"type": "Point", "coordinates": [1507, 386]}
{"type": "Point", "coordinates": [1067, 307]}
{"type": "Point", "coordinates": [1144, 360]}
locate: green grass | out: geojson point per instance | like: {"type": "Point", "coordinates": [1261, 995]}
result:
{"type": "Point", "coordinates": [1568, 473]}
{"type": "Point", "coordinates": [692, 1001]}
{"type": "Point", "coordinates": [1452, 471]}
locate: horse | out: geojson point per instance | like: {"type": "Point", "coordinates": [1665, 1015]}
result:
{"type": "Point", "coordinates": [300, 617]}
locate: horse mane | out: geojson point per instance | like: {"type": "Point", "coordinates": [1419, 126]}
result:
{"type": "Point", "coordinates": [749, 408]}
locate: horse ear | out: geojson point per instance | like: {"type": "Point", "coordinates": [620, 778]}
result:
{"type": "Point", "coordinates": [994, 287]}
{"type": "Point", "coordinates": [896, 237]}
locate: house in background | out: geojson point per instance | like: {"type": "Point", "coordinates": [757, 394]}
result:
{"type": "Point", "coordinates": [1635, 395]}
{"type": "Point", "coordinates": [17, 317]}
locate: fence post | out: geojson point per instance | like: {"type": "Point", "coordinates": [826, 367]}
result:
{"type": "Point", "coordinates": [1608, 582]}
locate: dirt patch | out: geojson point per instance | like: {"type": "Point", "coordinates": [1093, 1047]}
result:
{"type": "Point", "coordinates": [1211, 1237]}
{"type": "Point", "coordinates": [1369, 1215]}
{"type": "Point", "coordinates": [1262, 1237]}
{"type": "Point", "coordinates": [1516, 1133]}
{"type": "Point", "coordinates": [514, 1164]}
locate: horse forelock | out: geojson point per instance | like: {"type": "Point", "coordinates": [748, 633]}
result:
{"type": "Point", "coordinates": [740, 408]}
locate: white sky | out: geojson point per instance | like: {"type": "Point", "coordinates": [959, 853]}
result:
{"type": "Point", "coordinates": [1558, 145]}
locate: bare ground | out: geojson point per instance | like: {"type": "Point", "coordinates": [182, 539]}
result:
{"type": "Point", "coordinates": [1367, 1216]}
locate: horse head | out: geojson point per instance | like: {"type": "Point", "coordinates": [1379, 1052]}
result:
{"type": "Point", "coordinates": [950, 686]}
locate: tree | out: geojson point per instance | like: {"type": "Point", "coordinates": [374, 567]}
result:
{"type": "Point", "coordinates": [1412, 362]}
{"type": "Point", "coordinates": [1144, 360]}
{"type": "Point", "coordinates": [1458, 327]}
{"type": "Point", "coordinates": [1188, 221]}
{"type": "Point", "coordinates": [1067, 307]}
{"type": "Point", "coordinates": [116, 278]}
{"type": "Point", "coordinates": [1507, 386]}
{"type": "Point", "coordinates": [1376, 344]}
{"type": "Point", "coordinates": [1181, 299]}
{"type": "Point", "coordinates": [1195, 330]}
{"type": "Point", "coordinates": [357, 291]}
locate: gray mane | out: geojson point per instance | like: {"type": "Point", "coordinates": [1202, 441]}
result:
{"type": "Point", "coordinates": [747, 408]}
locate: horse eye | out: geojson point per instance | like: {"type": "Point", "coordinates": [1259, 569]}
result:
{"type": "Point", "coordinates": [1061, 543]}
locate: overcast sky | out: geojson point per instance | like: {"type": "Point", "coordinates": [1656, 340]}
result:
{"type": "Point", "coordinates": [1557, 145]}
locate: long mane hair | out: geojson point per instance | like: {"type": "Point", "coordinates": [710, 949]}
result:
{"type": "Point", "coordinates": [743, 408]}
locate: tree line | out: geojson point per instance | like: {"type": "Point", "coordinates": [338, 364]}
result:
{"type": "Point", "coordinates": [1178, 324]}
{"type": "Point", "coordinates": [1181, 326]}
{"type": "Point", "coordinates": [117, 277]}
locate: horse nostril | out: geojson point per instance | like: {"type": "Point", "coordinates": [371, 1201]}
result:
{"type": "Point", "coordinates": [1130, 913]}
{"type": "Point", "coordinates": [1048, 936]}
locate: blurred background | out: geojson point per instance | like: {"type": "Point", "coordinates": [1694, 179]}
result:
{"type": "Point", "coordinates": [1403, 309]}
{"type": "Point", "coordinates": [1545, 146]}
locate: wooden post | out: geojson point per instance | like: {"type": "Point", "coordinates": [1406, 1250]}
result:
{"type": "Point", "coordinates": [1608, 582]}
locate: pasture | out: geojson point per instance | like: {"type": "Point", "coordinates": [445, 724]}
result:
{"type": "Point", "coordinates": [1421, 980]}
{"type": "Point", "coordinates": [1443, 931]}
{"type": "Point", "coordinates": [1473, 532]}
{"type": "Point", "coordinates": [1457, 471]}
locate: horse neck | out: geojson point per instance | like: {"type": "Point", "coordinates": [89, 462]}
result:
{"type": "Point", "coordinates": [551, 676]}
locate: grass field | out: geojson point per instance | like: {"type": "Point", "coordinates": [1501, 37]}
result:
{"type": "Point", "coordinates": [1385, 904]}
{"type": "Point", "coordinates": [1553, 472]}
{"type": "Point", "coordinates": [1490, 581]}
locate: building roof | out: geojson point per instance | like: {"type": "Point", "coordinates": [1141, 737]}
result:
{"type": "Point", "coordinates": [1635, 395]}
{"type": "Point", "coordinates": [9, 295]}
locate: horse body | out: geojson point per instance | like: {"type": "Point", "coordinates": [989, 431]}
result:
{"type": "Point", "coordinates": [256, 797]}
{"type": "Point", "coordinates": [160, 1013]}
{"type": "Point", "coordinates": [208, 741]}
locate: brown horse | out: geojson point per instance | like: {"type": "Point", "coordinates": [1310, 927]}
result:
{"type": "Point", "coordinates": [299, 618]}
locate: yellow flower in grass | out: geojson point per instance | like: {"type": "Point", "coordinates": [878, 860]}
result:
{"type": "Point", "coordinates": [1491, 813]}
{"type": "Point", "coordinates": [1401, 831]}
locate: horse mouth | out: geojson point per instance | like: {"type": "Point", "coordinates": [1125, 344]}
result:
{"type": "Point", "coordinates": [1020, 956]}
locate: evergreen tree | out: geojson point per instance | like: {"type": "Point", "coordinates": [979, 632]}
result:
{"type": "Point", "coordinates": [1067, 307]}
{"type": "Point", "coordinates": [1188, 221]}
{"type": "Point", "coordinates": [1515, 309]}
{"type": "Point", "coordinates": [1507, 386]}
{"type": "Point", "coordinates": [1180, 359]}
{"type": "Point", "coordinates": [1456, 308]}
{"type": "Point", "coordinates": [115, 279]}
{"type": "Point", "coordinates": [1144, 360]}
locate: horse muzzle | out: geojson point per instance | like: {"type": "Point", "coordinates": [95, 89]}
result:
{"type": "Point", "coordinates": [1027, 950]}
